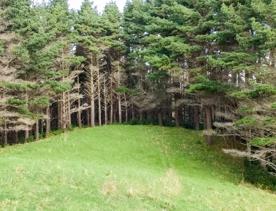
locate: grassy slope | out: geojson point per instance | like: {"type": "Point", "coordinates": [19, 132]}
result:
{"type": "Point", "coordinates": [124, 168]}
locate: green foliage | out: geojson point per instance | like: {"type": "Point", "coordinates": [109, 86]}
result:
{"type": "Point", "coordinates": [59, 87]}
{"type": "Point", "coordinates": [40, 102]}
{"type": "Point", "coordinates": [273, 106]}
{"type": "Point", "coordinates": [122, 90]}
{"type": "Point", "coordinates": [16, 102]}
{"type": "Point", "coordinates": [247, 121]}
{"type": "Point", "coordinates": [19, 87]}
{"type": "Point", "coordinates": [204, 84]}
{"type": "Point", "coordinates": [245, 110]}
{"type": "Point", "coordinates": [261, 142]}
{"type": "Point", "coordinates": [157, 75]}
{"type": "Point", "coordinates": [257, 90]}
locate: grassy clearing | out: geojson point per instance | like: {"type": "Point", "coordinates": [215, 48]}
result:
{"type": "Point", "coordinates": [125, 168]}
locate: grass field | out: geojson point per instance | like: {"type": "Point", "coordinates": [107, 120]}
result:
{"type": "Point", "coordinates": [125, 168]}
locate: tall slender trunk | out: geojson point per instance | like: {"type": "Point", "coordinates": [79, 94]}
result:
{"type": "Point", "coordinates": [5, 132]}
{"type": "Point", "coordinates": [132, 112]}
{"type": "Point", "coordinates": [119, 95]}
{"type": "Point", "coordinates": [88, 116]}
{"type": "Point", "coordinates": [105, 102]}
{"type": "Point", "coordinates": [99, 95]}
{"type": "Point", "coordinates": [208, 122]}
{"type": "Point", "coordinates": [160, 121]}
{"type": "Point", "coordinates": [69, 118]}
{"type": "Point", "coordinates": [177, 123]}
{"type": "Point", "coordinates": [27, 134]}
{"type": "Point", "coordinates": [59, 104]}
{"type": "Point", "coordinates": [175, 112]}
{"type": "Point", "coordinates": [140, 116]}
{"type": "Point", "coordinates": [64, 116]}
{"type": "Point", "coordinates": [208, 118]}
{"type": "Point", "coordinates": [79, 104]}
{"type": "Point", "coordinates": [111, 99]}
{"type": "Point", "coordinates": [196, 117]}
{"type": "Point", "coordinates": [120, 108]}
{"type": "Point", "coordinates": [37, 130]}
{"type": "Point", "coordinates": [126, 109]}
{"type": "Point", "coordinates": [48, 121]}
{"type": "Point", "coordinates": [92, 96]}
{"type": "Point", "coordinates": [16, 136]}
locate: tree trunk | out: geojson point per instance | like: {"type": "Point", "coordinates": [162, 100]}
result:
{"type": "Point", "coordinates": [208, 122]}
{"type": "Point", "coordinates": [126, 109]}
{"type": "Point", "coordinates": [176, 116]}
{"type": "Point", "coordinates": [69, 118]}
{"type": "Point", "coordinates": [140, 116]}
{"type": "Point", "coordinates": [27, 134]}
{"type": "Point", "coordinates": [63, 112]}
{"type": "Point", "coordinates": [208, 118]}
{"type": "Point", "coordinates": [92, 97]}
{"type": "Point", "coordinates": [132, 112]}
{"type": "Point", "coordinates": [105, 103]}
{"type": "Point", "coordinates": [160, 121]}
{"type": "Point", "coordinates": [5, 132]}
{"type": "Point", "coordinates": [196, 117]}
{"type": "Point", "coordinates": [111, 99]}
{"type": "Point", "coordinates": [79, 105]}
{"type": "Point", "coordinates": [16, 136]}
{"type": "Point", "coordinates": [99, 95]}
{"type": "Point", "coordinates": [37, 130]}
{"type": "Point", "coordinates": [120, 108]}
{"type": "Point", "coordinates": [48, 121]}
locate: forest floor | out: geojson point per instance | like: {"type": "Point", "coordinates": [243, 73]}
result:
{"type": "Point", "coordinates": [123, 167]}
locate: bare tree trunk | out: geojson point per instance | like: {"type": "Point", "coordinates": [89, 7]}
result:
{"type": "Point", "coordinates": [120, 108]}
{"type": "Point", "coordinates": [132, 112]}
{"type": "Point", "coordinates": [111, 99]}
{"type": "Point", "coordinates": [126, 110]}
{"type": "Point", "coordinates": [16, 137]}
{"type": "Point", "coordinates": [177, 123]}
{"type": "Point", "coordinates": [175, 112]}
{"type": "Point", "coordinates": [160, 121]}
{"type": "Point", "coordinates": [92, 97]}
{"type": "Point", "coordinates": [69, 120]}
{"type": "Point", "coordinates": [99, 95]}
{"type": "Point", "coordinates": [59, 104]}
{"type": "Point", "coordinates": [37, 130]}
{"type": "Point", "coordinates": [63, 112]}
{"type": "Point", "coordinates": [48, 120]}
{"type": "Point", "coordinates": [105, 103]}
{"type": "Point", "coordinates": [88, 116]}
{"type": "Point", "coordinates": [140, 116]}
{"type": "Point", "coordinates": [208, 113]}
{"type": "Point", "coordinates": [196, 117]}
{"type": "Point", "coordinates": [5, 132]}
{"type": "Point", "coordinates": [27, 134]}
{"type": "Point", "coordinates": [119, 95]}
{"type": "Point", "coordinates": [208, 122]}
{"type": "Point", "coordinates": [79, 105]}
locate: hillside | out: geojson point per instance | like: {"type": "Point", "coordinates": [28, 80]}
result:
{"type": "Point", "coordinates": [125, 168]}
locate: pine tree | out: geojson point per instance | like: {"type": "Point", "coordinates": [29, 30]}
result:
{"type": "Point", "coordinates": [15, 113]}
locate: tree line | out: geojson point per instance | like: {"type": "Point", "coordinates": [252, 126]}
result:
{"type": "Point", "coordinates": [204, 64]}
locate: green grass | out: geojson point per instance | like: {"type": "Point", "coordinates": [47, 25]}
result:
{"type": "Point", "coordinates": [125, 168]}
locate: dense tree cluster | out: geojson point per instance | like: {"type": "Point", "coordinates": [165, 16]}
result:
{"type": "Point", "coordinates": [204, 64]}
